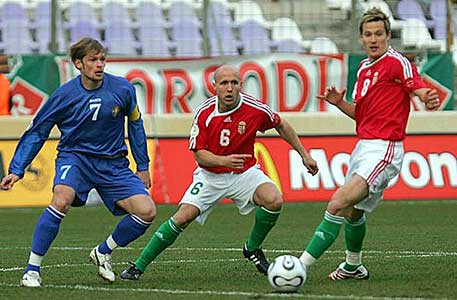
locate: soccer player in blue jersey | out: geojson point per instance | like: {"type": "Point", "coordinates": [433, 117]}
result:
{"type": "Point", "coordinates": [90, 112]}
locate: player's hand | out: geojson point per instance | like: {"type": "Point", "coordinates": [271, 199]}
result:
{"type": "Point", "coordinates": [432, 102]}
{"type": "Point", "coordinates": [236, 161]}
{"type": "Point", "coordinates": [145, 177]}
{"type": "Point", "coordinates": [332, 95]}
{"type": "Point", "coordinates": [8, 181]}
{"type": "Point", "coordinates": [311, 165]}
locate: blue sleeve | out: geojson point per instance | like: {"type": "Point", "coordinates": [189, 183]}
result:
{"type": "Point", "coordinates": [34, 137]}
{"type": "Point", "coordinates": [136, 133]}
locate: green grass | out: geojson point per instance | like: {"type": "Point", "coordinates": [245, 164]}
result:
{"type": "Point", "coordinates": [410, 253]}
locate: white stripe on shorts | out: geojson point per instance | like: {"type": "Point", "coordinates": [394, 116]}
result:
{"type": "Point", "coordinates": [382, 164]}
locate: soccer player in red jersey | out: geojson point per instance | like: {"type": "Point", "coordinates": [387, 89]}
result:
{"type": "Point", "coordinates": [222, 139]}
{"type": "Point", "coordinates": [381, 108]}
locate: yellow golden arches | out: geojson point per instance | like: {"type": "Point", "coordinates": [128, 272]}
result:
{"type": "Point", "coordinates": [260, 151]}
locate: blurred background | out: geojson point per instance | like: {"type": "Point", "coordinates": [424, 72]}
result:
{"type": "Point", "coordinates": [156, 28]}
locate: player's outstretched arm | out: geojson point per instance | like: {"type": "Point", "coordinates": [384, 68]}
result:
{"type": "Point", "coordinates": [336, 97]}
{"type": "Point", "coordinates": [287, 132]}
{"type": "Point", "coordinates": [8, 181]}
{"type": "Point", "coordinates": [429, 97]}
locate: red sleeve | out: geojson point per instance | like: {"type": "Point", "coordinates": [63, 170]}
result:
{"type": "Point", "coordinates": [411, 78]}
{"type": "Point", "coordinates": [198, 135]}
{"type": "Point", "coordinates": [272, 120]}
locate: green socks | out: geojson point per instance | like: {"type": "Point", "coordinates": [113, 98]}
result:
{"type": "Point", "coordinates": [354, 236]}
{"type": "Point", "coordinates": [162, 238]}
{"type": "Point", "coordinates": [264, 221]}
{"type": "Point", "coordinates": [325, 235]}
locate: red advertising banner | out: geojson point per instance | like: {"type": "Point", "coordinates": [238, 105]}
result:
{"type": "Point", "coordinates": [429, 169]}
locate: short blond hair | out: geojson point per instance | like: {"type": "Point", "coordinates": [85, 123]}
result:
{"type": "Point", "coordinates": [374, 14]}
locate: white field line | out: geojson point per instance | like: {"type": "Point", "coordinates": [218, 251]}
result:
{"type": "Point", "coordinates": [392, 253]}
{"type": "Point", "coordinates": [367, 254]}
{"type": "Point", "coordinates": [219, 293]}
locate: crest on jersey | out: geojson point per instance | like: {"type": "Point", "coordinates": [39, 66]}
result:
{"type": "Point", "coordinates": [116, 109]}
{"type": "Point", "coordinates": [241, 127]}
{"type": "Point", "coordinates": [375, 78]}
{"type": "Point", "coordinates": [194, 131]}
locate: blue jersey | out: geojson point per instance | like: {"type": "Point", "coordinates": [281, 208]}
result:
{"type": "Point", "coordinates": [91, 122]}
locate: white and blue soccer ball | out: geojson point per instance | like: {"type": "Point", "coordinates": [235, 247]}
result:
{"type": "Point", "coordinates": [286, 274]}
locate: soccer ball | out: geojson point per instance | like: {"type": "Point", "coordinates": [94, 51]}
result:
{"type": "Point", "coordinates": [286, 273]}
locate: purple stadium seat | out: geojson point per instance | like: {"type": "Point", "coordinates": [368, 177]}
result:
{"type": "Point", "coordinates": [187, 38]}
{"type": "Point", "coordinates": [254, 38]}
{"type": "Point", "coordinates": [119, 39]}
{"type": "Point", "coordinates": [149, 12]}
{"type": "Point", "coordinates": [218, 13]}
{"type": "Point", "coordinates": [13, 10]}
{"type": "Point", "coordinates": [17, 38]}
{"type": "Point", "coordinates": [80, 11]}
{"type": "Point", "coordinates": [82, 29]}
{"type": "Point", "coordinates": [222, 40]}
{"type": "Point", "coordinates": [408, 9]}
{"type": "Point", "coordinates": [289, 46]}
{"type": "Point", "coordinates": [438, 14]}
{"type": "Point", "coordinates": [42, 27]}
{"type": "Point", "coordinates": [154, 40]}
{"type": "Point", "coordinates": [180, 11]}
{"type": "Point", "coordinates": [114, 11]}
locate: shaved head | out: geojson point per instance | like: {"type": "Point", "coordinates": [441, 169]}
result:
{"type": "Point", "coordinates": [224, 69]}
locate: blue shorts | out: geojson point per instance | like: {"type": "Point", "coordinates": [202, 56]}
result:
{"type": "Point", "coordinates": [111, 177]}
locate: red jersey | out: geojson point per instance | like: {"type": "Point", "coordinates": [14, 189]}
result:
{"type": "Point", "coordinates": [381, 96]}
{"type": "Point", "coordinates": [231, 132]}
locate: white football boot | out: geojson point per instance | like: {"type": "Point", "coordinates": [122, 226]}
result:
{"type": "Point", "coordinates": [31, 279]}
{"type": "Point", "coordinates": [103, 261]}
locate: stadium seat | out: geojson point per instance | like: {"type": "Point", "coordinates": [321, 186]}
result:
{"type": "Point", "coordinates": [408, 9]}
{"type": "Point", "coordinates": [16, 38]}
{"type": "Point", "coordinates": [154, 40]}
{"type": "Point", "coordinates": [222, 40]}
{"type": "Point", "coordinates": [289, 46]}
{"type": "Point", "coordinates": [114, 11]}
{"type": "Point", "coordinates": [42, 26]}
{"type": "Point", "coordinates": [187, 38]}
{"type": "Point", "coordinates": [254, 38]}
{"type": "Point", "coordinates": [148, 12]}
{"type": "Point", "coordinates": [323, 45]}
{"type": "Point", "coordinates": [119, 39]}
{"type": "Point", "coordinates": [439, 16]}
{"type": "Point", "coordinates": [82, 29]}
{"type": "Point", "coordinates": [285, 28]}
{"type": "Point", "coordinates": [385, 8]}
{"type": "Point", "coordinates": [81, 12]}
{"type": "Point", "coordinates": [249, 10]}
{"type": "Point", "coordinates": [416, 35]}
{"type": "Point", "coordinates": [181, 10]}
{"type": "Point", "coordinates": [338, 4]}
{"type": "Point", "coordinates": [219, 13]}
{"type": "Point", "coordinates": [13, 11]}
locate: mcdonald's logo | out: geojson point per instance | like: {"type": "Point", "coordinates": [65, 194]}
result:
{"type": "Point", "coordinates": [262, 154]}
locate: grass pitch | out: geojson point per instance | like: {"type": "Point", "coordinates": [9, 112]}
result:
{"type": "Point", "coordinates": [410, 251]}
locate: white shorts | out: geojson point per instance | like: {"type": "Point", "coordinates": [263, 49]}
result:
{"type": "Point", "coordinates": [377, 161]}
{"type": "Point", "coordinates": [208, 188]}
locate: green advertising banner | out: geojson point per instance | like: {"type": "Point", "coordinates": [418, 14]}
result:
{"type": "Point", "coordinates": [287, 82]}
{"type": "Point", "coordinates": [33, 78]}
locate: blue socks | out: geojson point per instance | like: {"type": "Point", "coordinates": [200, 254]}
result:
{"type": "Point", "coordinates": [46, 231]}
{"type": "Point", "coordinates": [127, 230]}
